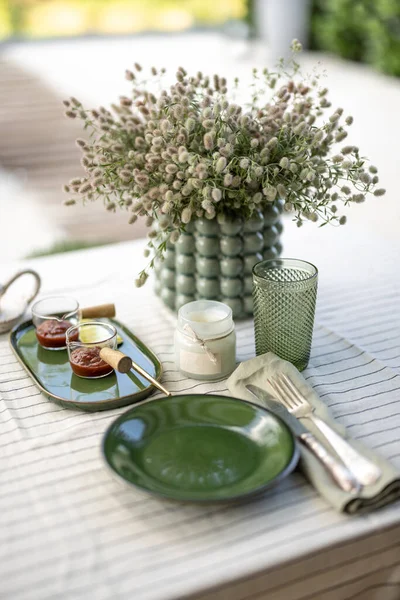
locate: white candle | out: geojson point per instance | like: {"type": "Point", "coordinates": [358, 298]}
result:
{"type": "Point", "coordinates": [205, 340]}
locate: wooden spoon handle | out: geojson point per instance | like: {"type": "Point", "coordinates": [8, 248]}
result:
{"type": "Point", "coordinates": [102, 310]}
{"type": "Point", "coordinates": [117, 360]}
{"type": "Point", "coordinates": [123, 363]}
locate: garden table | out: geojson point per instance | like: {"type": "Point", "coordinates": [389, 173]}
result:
{"type": "Point", "coordinates": [71, 531]}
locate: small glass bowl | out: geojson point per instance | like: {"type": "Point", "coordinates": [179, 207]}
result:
{"type": "Point", "coordinates": [84, 342]}
{"type": "Point", "coordinates": [52, 317]}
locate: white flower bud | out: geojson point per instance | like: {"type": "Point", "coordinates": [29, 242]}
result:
{"type": "Point", "coordinates": [281, 190]}
{"type": "Point", "coordinates": [299, 129]}
{"type": "Point", "coordinates": [174, 236]}
{"type": "Point", "coordinates": [347, 149]}
{"type": "Point", "coordinates": [208, 141]}
{"type": "Point", "coordinates": [272, 142]}
{"type": "Point", "coordinates": [220, 164]}
{"type": "Point", "coordinates": [190, 124]}
{"type": "Point", "coordinates": [359, 198]}
{"type": "Point", "coordinates": [141, 280]}
{"type": "Point", "coordinates": [183, 157]}
{"type": "Point", "coordinates": [270, 192]}
{"type": "Point", "coordinates": [217, 110]}
{"type": "Point", "coordinates": [81, 143]}
{"type": "Point", "coordinates": [166, 207]}
{"type": "Point", "coordinates": [178, 112]}
{"type": "Point", "coordinates": [208, 123]}
{"type": "Point", "coordinates": [365, 178]}
{"type": "Point", "coordinates": [216, 194]}
{"type": "Point", "coordinates": [228, 180]}
{"type": "Point", "coordinates": [85, 187]}
{"type": "Point", "coordinates": [340, 136]}
{"type": "Point", "coordinates": [206, 204]}
{"type": "Point", "coordinates": [310, 175]}
{"type": "Point", "coordinates": [97, 181]}
{"type": "Point", "coordinates": [318, 136]}
{"type": "Point", "coordinates": [284, 162]}
{"type": "Point", "coordinates": [186, 215]}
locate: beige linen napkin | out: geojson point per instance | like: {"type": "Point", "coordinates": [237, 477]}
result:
{"type": "Point", "coordinates": [387, 489]}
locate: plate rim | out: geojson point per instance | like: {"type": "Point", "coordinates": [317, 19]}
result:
{"type": "Point", "coordinates": [100, 404]}
{"type": "Point", "coordinates": [289, 468]}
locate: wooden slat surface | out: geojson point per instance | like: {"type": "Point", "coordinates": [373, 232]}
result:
{"type": "Point", "coordinates": [37, 144]}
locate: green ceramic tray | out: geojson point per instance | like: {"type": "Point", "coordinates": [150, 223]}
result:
{"type": "Point", "coordinates": [52, 373]}
{"type": "Point", "coordinates": [200, 448]}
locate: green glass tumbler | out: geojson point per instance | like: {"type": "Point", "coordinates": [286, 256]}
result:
{"type": "Point", "coordinates": [285, 293]}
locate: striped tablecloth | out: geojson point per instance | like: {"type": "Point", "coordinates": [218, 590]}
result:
{"type": "Point", "coordinates": [70, 530]}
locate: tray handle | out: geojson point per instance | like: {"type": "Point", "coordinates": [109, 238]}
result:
{"type": "Point", "coordinates": [36, 289]}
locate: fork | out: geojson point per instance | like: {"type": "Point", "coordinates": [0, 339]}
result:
{"type": "Point", "coordinates": [365, 470]}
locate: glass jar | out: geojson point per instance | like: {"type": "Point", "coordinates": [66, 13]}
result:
{"type": "Point", "coordinates": [205, 340]}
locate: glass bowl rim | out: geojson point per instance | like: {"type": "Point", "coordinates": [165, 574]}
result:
{"type": "Point", "coordinates": [111, 329]}
{"type": "Point", "coordinates": [55, 297]}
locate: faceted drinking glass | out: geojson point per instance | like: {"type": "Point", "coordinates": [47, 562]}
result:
{"type": "Point", "coordinates": [285, 293]}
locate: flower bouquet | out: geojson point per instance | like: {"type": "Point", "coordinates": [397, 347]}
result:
{"type": "Point", "coordinates": [211, 175]}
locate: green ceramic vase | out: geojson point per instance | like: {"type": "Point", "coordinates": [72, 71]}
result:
{"type": "Point", "coordinates": [214, 261]}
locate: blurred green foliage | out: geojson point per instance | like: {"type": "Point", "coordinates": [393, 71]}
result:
{"type": "Point", "coordinates": [65, 246]}
{"type": "Point", "coordinates": [361, 30]}
{"type": "Point", "coordinates": [250, 15]}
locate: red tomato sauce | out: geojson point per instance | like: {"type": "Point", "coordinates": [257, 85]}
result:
{"type": "Point", "coordinates": [51, 333]}
{"type": "Point", "coordinates": [86, 362]}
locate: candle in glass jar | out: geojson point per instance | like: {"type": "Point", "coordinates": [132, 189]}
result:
{"type": "Point", "coordinates": [205, 340]}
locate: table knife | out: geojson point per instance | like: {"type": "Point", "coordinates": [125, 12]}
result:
{"type": "Point", "coordinates": [336, 469]}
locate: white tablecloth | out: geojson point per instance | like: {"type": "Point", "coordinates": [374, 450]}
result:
{"type": "Point", "coordinates": [71, 531]}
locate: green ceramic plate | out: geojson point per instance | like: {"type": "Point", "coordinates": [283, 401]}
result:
{"type": "Point", "coordinates": [200, 448]}
{"type": "Point", "coordinates": [52, 373]}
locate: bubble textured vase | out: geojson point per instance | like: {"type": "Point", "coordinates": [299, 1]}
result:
{"type": "Point", "coordinates": [214, 261]}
